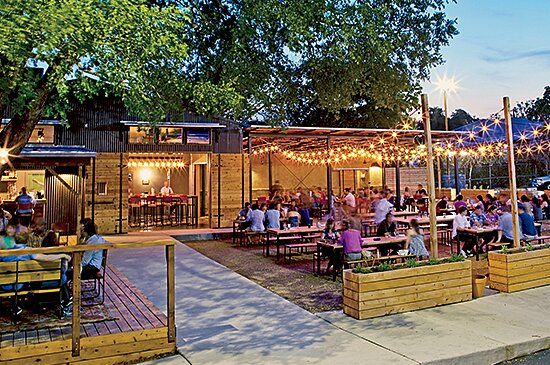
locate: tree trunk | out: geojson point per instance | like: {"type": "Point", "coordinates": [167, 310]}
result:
{"type": "Point", "coordinates": [17, 132]}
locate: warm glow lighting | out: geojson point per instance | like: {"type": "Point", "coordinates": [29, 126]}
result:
{"type": "Point", "coordinates": [446, 84]}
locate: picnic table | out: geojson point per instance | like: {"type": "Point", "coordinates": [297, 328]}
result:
{"type": "Point", "coordinates": [424, 220]}
{"type": "Point", "coordinates": [291, 233]}
{"type": "Point", "coordinates": [477, 232]}
{"type": "Point", "coordinates": [373, 242]}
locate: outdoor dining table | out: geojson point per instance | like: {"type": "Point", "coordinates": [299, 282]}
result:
{"type": "Point", "coordinates": [374, 242]}
{"type": "Point", "coordinates": [477, 232]}
{"type": "Point", "coordinates": [294, 231]}
{"type": "Point", "coordinates": [424, 220]}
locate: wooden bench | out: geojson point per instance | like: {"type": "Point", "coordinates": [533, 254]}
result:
{"type": "Point", "coordinates": [21, 278]}
{"type": "Point", "coordinates": [373, 261]}
{"type": "Point", "coordinates": [539, 239]}
{"type": "Point", "coordinates": [250, 235]}
{"type": "Point", "coordinates": [302, 247]}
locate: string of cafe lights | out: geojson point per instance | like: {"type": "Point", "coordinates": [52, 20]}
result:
{"type": "Point", "coordinates": [387, 150]}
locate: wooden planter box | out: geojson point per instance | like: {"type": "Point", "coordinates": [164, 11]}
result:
{"type": "Point", "coordinates": [402, 290]}
{"type": "Point", "coordinates": [517, 271]}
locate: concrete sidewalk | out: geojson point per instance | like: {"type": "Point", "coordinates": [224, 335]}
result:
{"type": "Point", "coordinates": [224, 318]}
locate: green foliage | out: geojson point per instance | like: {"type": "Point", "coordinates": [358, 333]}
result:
{"type": "Point", "coordinates": [454, 258]}
{"type": "Point", "coordinates": [361, 270]}
{"type": "Point", "coordinates": [529, 247]}
{"type": "Point", "coordinates": [411, 263]}
{"type": "Point", "coordinates": [434, 262]}
{"type": "Point", "coordinates": [384, 266]}
{"type": "Point", "coordinates": [127, 48]}
{"type": "Point", "coordinates": [504, 249]}
{"type": "Point", "coordinates": [312, 62]}
{"type": "Point", "coordinates": [537, 109]}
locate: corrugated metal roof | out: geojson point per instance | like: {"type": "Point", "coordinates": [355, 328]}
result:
{"type": "Point", "coordinates": [41, 122]}
{"type": "Point", "coordinates": [51, 151]}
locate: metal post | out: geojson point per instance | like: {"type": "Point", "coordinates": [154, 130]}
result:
{"type": "Point", "coordinates": [242, 180]}
{"type": "Point", "coordinates": [447, 128]}
{"type": "Point", "coordinates": [269, 173]}
{"type": "Point", "coordinates": [329, 181]}
{"type": "Point", "coordinates": [431, 177]}
{"type": "Point", "coordinates": [439, 185]}
{"type": "Point", "coordinates": [209, 167]}
{"type": "Point", "coordinates": [397, 186]}
{"type": "Point", "coordinates": [511, 170]}
{"type": "Point", "coordinates": [120, 166]}
{"type": "Point", "coordinates": [383, 175]}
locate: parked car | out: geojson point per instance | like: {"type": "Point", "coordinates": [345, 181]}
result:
{"type": "Point", "coordinates": [541, 182]}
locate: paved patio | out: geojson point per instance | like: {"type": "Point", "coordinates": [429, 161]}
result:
{"type": "Point", "coordinates": [223, 318]}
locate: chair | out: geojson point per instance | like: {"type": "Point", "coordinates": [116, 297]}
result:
{"type": "Point", "coordinates": [61, 229]}
{"type": "Point", "coordinates": [134, 204]}
{"type": "Point", "coordinates": [98, 289]}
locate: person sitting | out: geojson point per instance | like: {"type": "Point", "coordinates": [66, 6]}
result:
{"type": "Point", "coordinates": [415, 241]}
{"type": "Point", "coordinates": [273, 217]}
{"type": "Point", "coordinates": [460, 222]}
{"type": "Point", "coordinates": [256, 218]}
{"type": "Point", "coordinates": [459, 202]}
{"type": "Point", "coordinates": [51, 240]}
{"type": "Point", "coordinates": [526, 223]}
{"type": "Point", "coordinates": [478, 218]}
{"type": "Point", "coordinates": [351, 240]}
{"type": "Point", "coordinates": [305, 217]}
{"type": "Point", "coordinates": [491, 214]}
{"type": "Point", "coordinates": [244, 212]}
{"type": "Point", "coordinates": [441, 206]}
{"type": "Point", "coordinates": [527, 206]}
{"type": "Point", "coordinates": [330, 232]}
{"type": "Point", "coordinates": [92, 260]}
{"type": "Point", "coordinates": [38, 233]}
{"type": "Point", "coordinates": [420, 192]}
{"type": "Point", "coordinates": [505, 226]}
{"type": "Point", "coordinates": [4, 220]}
{"type": "Point", "coordinates": [387, 227]}
{"type": "Point", "coordinates": [293, 217]}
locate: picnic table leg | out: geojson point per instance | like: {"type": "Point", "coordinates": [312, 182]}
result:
{"type": "Point", "coordinates": [278, 243]}
{"type": "Point", "coordinates": [267, 245]}
{"type": "Point", "coordinates": [318, 258]}
{"type": "Point", "coordinates": [234, 232]}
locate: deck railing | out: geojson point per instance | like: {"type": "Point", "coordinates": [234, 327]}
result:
{"type": "Point", "coordinates": [77, 251]}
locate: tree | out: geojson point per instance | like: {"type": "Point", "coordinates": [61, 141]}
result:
{"type": "Point", "coordinates": [50, 50]}
{"type": "Point", "coordinates": [437, 118]}
{"type": "Point", "coordinates": [318, 62]}
{"type": "Point", "coordinates": [538, 109]}
{"type": "Point", "coordinates": [459, 118]}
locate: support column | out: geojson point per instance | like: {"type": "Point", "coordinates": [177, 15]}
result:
{"type": "Point", "coordinates": [93, 190]}
{"type": "Point", "coordinates": [329, 181]}
{"type": "Point", "coordinates": [242, 180]}
{"type": "Point", "coordinates": [511, 170]}
{"type": "Point", "coordinates": [457, 180]}
{"type": "Point", "coordinates": [439, 185]}
{"type": "Point", "coordinates": [250, 169]}
{"type": "Point", "coordinates": [397, 186]}
{"type": "Point", "coordinates": [120, 168]}
{"type": "Point", "coordinates": [269, 173]}
{"type": "Point", "coordinates": [383, 174]}
{"type": "Point", "coordinates": [431, 178]}
{"type": "Point", "coordinates": [219, 189]}
{"type": "Point", "coordinates": [209, 168]}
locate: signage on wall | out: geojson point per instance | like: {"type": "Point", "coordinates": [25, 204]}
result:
{"type": "Point", "coordinates": [198, 136]}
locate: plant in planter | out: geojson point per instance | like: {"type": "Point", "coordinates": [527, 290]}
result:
{"type": "Point", "coordinates": [387, 289]}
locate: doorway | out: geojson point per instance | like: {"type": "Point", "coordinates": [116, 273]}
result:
{"type": "Point", "coordinates": [200, 187]}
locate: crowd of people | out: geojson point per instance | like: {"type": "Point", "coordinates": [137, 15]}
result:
{"type": "Point", "coordinates": [15, 235]}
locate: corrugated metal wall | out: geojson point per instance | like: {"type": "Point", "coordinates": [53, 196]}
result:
{"type": "Point", "coordinates": [62, 204]}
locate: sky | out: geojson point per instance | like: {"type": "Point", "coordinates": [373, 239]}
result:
{"type": "Point", "coordinates": [503, 49]}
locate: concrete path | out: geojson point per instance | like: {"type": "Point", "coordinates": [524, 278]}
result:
{"type": "Point", "coordinates": [223, 318]}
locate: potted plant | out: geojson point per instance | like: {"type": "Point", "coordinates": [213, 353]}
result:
{"type": "Point", "coordinates": [512, 270]}
{"type": "Point", "coordinates": [387, 289]}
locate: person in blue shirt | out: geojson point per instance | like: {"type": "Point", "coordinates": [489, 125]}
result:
{"type": "Point", "coordinates": [478, 218]}
{"type": "Point", "coordinates": [256, 218]}
{"type": "Point", "coordinates": [526, 223]}
{"type": "Point", "coordinates": [24, 199]}
{"type": "Point", "coordinates": [273, 217]}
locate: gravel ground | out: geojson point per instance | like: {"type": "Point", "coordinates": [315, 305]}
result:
{"type": "Point", "coordinates": [293, 280]}
{"type": "Point", "coordinates": [540, 358]}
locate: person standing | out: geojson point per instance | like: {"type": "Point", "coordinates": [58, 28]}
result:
{"type": "Point", "coordinates": [166, 189]}
{"type": "Point", "coordinates": [349, 199]}
{"type": "Point", "coordinates": [382, 208]}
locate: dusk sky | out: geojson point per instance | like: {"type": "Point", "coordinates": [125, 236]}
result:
{"type": "Point", "coordinates": [503, 49]}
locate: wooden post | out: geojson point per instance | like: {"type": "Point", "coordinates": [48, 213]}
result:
{"type": "Point", "coordinates": [431, 177]}
{"type": "Point", "coordinates": [457, 180]}
{"type": "Point", "coordinates": [439, 185]}
{"type": "Point", "coordinates": [93, 189]}
{"type": "Point", "coordinates": [511, 170]}
{"type": "Point", "coordinates": [269, 172]}
{"type": "Point", "coordinates": [329, 181]}
{"type": "Point", "coordinates": [398, 186]}
{"type": "Point", "coordinates": [77, 259]}
{"type": "Point", "coordinates": [83, 192]}
{"type": "Point", "coordinates": [219, 189]}
{"type": "Point", "coordinates": [210, 212]}
{"type": "Point", "coordinates": [250, 169]}
{"type": "Point", "coordinates": [242, 180]}
{"type": "Point", "coordinates": [383, 175]}
{"type": "Point", "coordinates": [171, 293]}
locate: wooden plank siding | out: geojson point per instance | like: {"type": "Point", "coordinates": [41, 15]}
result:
{"type": "Point", "coordinates": [62, 204]}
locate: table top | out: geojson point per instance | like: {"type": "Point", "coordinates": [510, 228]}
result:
{"type": "Point", "coordinates": [369, 241]}
{"type": "Point", "coordinates": [395, 214]}
{"type": "Point", "coordinates": [479, 230]}
{"type": "Point", "coordinates": [294, 230]}
{"type": "Point", "coordinates": [424, 220]}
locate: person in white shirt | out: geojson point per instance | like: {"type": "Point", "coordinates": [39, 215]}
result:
{"type": "Point", "coordinates": [382, 208]}
{"type": "Point", "coordinates": [166, 189]}
{"type": "Point", "coordinates": [460, 222]}
{"type": "Point", "coordinates": [349, 201]}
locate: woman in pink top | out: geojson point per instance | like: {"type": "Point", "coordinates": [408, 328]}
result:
{"type": "Point", "coordinates": [351, 240]}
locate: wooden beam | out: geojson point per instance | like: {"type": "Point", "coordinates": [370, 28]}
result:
{"type": "Point", "coordinates": [62, 181]}
{"type": "Point", "coordinates": [431, 177]}
{"type": "Point", "coordinates": [210, 212]}
{"type": "Point", "coordinates": [329, 181]}
{"type": "Point", "coordinates": [250, 169]}
{"type": "Point", "coordinates": [219, 189]}
{"type": "Point", "coordinates": [77, 259]}
{"type": "Point", "coordinates": [511, 170]}
{"type": "Point", "coordinates": [171, 293]}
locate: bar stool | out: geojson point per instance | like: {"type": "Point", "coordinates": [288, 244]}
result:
{"type": "Point", "coordinates": [134, 205]}
{"type": "Point", "coordinates": [166, 209]}
{"type": "Point", "coordinates": [151, 212]}
{"type": "Point", "coordinates": [182, 209]}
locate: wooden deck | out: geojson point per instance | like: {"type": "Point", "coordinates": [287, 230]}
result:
{"type": "Point", "coordinates": [137, 331]}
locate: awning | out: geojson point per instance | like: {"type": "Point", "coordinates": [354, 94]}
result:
{"type": "Point", "coordinates": [202, 125]}
{"type": "Point", "coordinates": [41, 122]}
{"type": "Point", "coordinates": [52, 151]}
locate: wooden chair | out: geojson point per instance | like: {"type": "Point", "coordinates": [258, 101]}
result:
{"type": "Point", "coordinates": [98, 289]}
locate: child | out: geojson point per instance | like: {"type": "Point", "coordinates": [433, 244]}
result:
{"type": "Point", "coordinates": [415, 241]}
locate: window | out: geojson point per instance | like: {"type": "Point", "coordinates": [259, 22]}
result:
{"type": "Point", "coordinates": [101, 188]}
{"type": "Point", "coordinates": [42, 134]}
{"type": "Point", "coordinates": [141, 135]}
{"type": "Point", "coordinates": [171, 135]}
{"type": "Point", "coordinates": [198, 136]}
